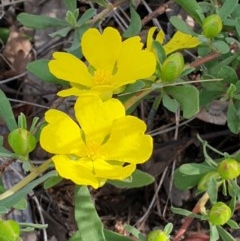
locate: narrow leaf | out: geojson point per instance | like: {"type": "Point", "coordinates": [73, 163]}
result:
{"type": "Point", "coordinates": [6, 112]}
{"type": "Point", "coordinates": [135, 24]}
{"type": "Point", "coordinates": [225, 236]}
{"type": "Point", "coordinates": [138, 179]}
{"type": "Point", "coordinates": [13, 199]}
{"type": "Point", "coordinates": [112, 236]}
{"type": "Point", "coordinates": [181, 26]}
{"type": "Point", "coordinates": [87, 15]}
{"type": "Point", "coordinates": [88, 221]}
{"type": "Point", "coordinates": [40, 22]}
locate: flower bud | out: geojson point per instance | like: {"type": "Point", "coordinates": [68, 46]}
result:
{"type": "Point", "coordinates": [157, 235]}
{"type": "Point", "coordinates": [212, 26]}
{"type": "Point", "coordinates": [219, 214]}
{"type": "Point", "coordinates": [172, 67]}
{"type": "Point", "coordinates": [204, 181]}
{"type": "Point", "coordinates": [228, 169]}
{"type": "Point", "coordinates": [22, 141]}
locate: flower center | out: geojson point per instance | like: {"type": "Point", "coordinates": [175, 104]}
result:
{"type": "Point", "coordinates": [102, 77]}
{"type": "Point", "coordinates": [93, 150]}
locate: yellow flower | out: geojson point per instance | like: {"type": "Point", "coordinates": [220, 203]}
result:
{"type": "Point", "coordinates": [103, 144]}
{"type": "Point", "coordinates": [112, 63]}
{"type": "Point", "coordinates": [177, 42]}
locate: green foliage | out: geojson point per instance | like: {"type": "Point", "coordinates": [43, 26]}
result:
{"type": "Point", "coordinates": [88, 221]}
{"type": "Point", "coordinates": [138, 179]}
{"type": "Point", "coordinates": [40, 22]}
{"type": "Point", "coordinates": [183, 95]}
{"type": "Point", "coordinates": [135, 24]}
{"type": "Point", "coordinates": [6, 112]}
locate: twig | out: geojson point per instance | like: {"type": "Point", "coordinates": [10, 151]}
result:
{"type": "Point", "coordinates": [197, 209]}
{"type": "Point", "coordinates": [160, 10]}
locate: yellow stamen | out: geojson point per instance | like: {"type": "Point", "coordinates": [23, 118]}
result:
{"type": "Point", "coordinates": [102, 77]}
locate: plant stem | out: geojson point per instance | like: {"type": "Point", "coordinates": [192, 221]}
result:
{"type": "Point", "coordinates": [35, 173]}
{"type": "Point", "coordinates": [199, 207]}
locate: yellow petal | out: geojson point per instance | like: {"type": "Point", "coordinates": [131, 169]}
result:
{"type": "Point", "coordinates": [150, 38]}
{"type": "Point", "coordinates": [66, 66]}
{"type": "Point", "coordinates": [96, 117]}
{"type": "Point", "coordinates": [160, 37]}
{"type": "Point", "coordinates": [70, 92]}
{"type": "Point", "coordinates": [61, 135]}
{"type": "Point", "coordinates": [114, 172]}
{"type": "Point", "coordinates": [181, 41]}
{"type": "Point", "coordinates": [101, 50]}
{"type": "Point", "coordinates": [133, 63]}
{"type": "Point", "coordinates": [127, 142]}
{"type": "Point", "coordinates": [79, 171]}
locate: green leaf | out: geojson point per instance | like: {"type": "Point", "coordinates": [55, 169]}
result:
{"type": "Point", "coordinates": [237, 26]}
{"type": "Point", "coordinates": [14, 198]}
{"type": "Point", "coordinates": [71, 19]}
{"type": "Point", "coordinates": [61, 32]}
{"type": "Point", "coordinates": [138, 179]}
{"type": "Point", "coordinates": [135, 25]}
{"type": "Point", "coordinates": [88, 221]}
{"type": "Point", "coordinates": [133, 88]}
{"type": "Point", "coordinates": [71, 5]}
{"type": "Point", "coordinates": [212, 190]}
{"type": "Point", "coordinates": [40, 22]}
{"type": "Point", "coordinates": [5, 153]}
{"type": "Point", "coordinates": [168, 228]}
{"type": "Point", "coordinates": [221, 46]}
{"type": "Point", "coordinates": [227, 9]}
{"type": "Point", "coordinates": [87, 15]}
{"type": "Point", "coordinates": [188, 98]}
{"type": "Point", "coordinates": [233, 224]}
{"type": "Point", "coordinates": [184, 212]}
{"type": "Point", "coordinates": [21, 204]}
{"type": "Point", "coordinates": [214, 236]}
{"type": "Point", "coordinates": [233, 118]}
{"type": "Point", "coordinates": [52, 181]}
{"type": "Point", "coordinates": [159, 50]}
{"type": "Point", "coordinates": [188, 175]}
{"type": "Point", "coordinates": [40, 69]}
{"type": "Point", "coordinates": [170, 103]}
{"type": "Point", "coordinates": [228, 74]}
{"type": "Point", "coordinates": [76, 237]}
{"type": "Point", "coordinates": [6, 112]}
{"type": "Point", "coordinates": [193, 9]}
{"type": "Point", "coordinates": [112, 236]}
{"type": "Point", "coordinates": [135, 232]}
{"type": "Point", "coordinates": [3, 210]}
{"type": "Point", "coordinates": [225, 236]}
{"type": "Point", "coordinates": [181, 26]}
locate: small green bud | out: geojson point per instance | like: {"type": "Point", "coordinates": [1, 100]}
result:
{"type": "Point", "coordinates": [219, 214]}
{"type": "Point", "coordinates": [157, 235]}
{"type": "Point", "coordinates": [228, 169]}
{"type": "Point", "coordinates": [212, 26]}
{"type": "Point", "coordinates": [22, 141]}
{"type": "Point", "coordinates": [172, 67]}
{"type": "Point", "coordinates": [204, 181]}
